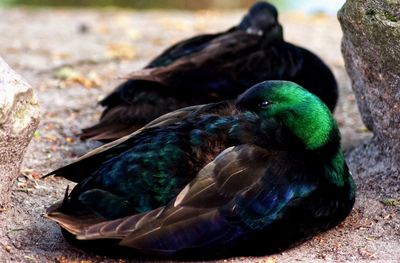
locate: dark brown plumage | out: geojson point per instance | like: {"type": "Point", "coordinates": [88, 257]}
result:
{"type": "Point", "coordinates": [210, 68]}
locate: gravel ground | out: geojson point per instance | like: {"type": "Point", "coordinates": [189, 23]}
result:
{"type": "Point", "coordinates": [74, 57]}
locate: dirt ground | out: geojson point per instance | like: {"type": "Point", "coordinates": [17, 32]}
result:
{"type": "Point", "coordinates": [72, 58]}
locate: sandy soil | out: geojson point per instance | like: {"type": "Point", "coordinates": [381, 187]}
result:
{"type": "Point", "coordinates": [100, 46]}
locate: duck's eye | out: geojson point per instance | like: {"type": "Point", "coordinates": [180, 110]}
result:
{"type": "Point", "coordinates": [264, 104]}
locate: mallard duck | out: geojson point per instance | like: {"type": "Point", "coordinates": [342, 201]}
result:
{"type": "Point", "coordinates": [253, 175]}
{"type": "Point", "coordinates": [210, 68]}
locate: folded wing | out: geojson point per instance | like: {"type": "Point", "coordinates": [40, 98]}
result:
{"type": "Point", "coordinates": [230, 198]}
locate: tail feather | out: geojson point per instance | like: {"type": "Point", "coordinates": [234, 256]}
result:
{"type": "Point", "coordinates": [72, 223]}
{"type": "Point", "coordinates": [119, 228]}
{"type": "Point", "coordinates": [106, 132]}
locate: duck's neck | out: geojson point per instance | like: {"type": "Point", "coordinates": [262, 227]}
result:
{"type": "Point", "coordinates": [336, 169]}
{"type": "Point", "coordinates": [315, 130]}
{"type": "Point", "coordinates": [321, 137]}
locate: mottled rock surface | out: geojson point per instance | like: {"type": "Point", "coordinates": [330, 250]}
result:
{"type": "Point", "coordinates": [19, 117]}
{"type": "Point", "coordinates": [371, 48]}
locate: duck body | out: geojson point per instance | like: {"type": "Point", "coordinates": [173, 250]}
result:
{"type": "Point", "coordinates": [251, 176]}
{"type": "Point", "coordinates": [148, 161]}
{"type": "Point", "coordinates": [210, 68]}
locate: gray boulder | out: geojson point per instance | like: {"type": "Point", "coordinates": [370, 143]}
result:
{"type": "Point", "coordinates": [19, 118]}
{"type": "Point", "coordinates": [371, 49]}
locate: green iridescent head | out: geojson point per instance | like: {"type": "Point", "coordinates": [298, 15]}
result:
{"type": "Point", "coordinates": [288, 103]}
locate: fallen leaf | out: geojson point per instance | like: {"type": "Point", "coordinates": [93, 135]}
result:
{"type": "Point", "coordinates": [71, 76]}
{"type": "Point", "coordinates": [69, 140]}
{"type": "Point", "coordinates": [36, 175]}
{"type": "Point", "coordinates": [36, 134]}
{"type": "Point", "coordinates": [362, 130]}
{"type": "Point", "coordinates": [103, 29]}
{"type": "Point", "coordinates": [7, 248]}
{"type": "Point", "coordinates": [30, 258]}
{"type": "Point", "coordinates": [391, 202]}
{"type": "Point", "coordinates": [120, 51]}
{"type": "Point", "coordinates": [95, 80]}
{"type": "Point", "coordinates": [67, 73]}
{"type": "Point", "coordinates": [60, 56]}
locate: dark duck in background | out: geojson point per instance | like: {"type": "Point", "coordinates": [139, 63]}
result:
{"type": "Point", "coordinates": [246, 177]}
{"type": "Point", "coordinates": [209, 68]}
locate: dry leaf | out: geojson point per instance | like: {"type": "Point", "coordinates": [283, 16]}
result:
{"type": "Point", "coordinates": [391, 202]}
{"type": "Point", "coordinates": [120, 51]}
{"type": "Point", "coordinates": [71, 76]}
{"type": "Point", "coordinates": [69, 140]}
{"type": "Point", "coordinates": [67, 73]}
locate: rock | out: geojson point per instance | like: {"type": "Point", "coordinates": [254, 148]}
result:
{"type": "Point", "coordinates": [376, 161]}
{"type": "Point", "coordinates": [371, 49]}
{"type": "Point", "coordinates": [19, 118]}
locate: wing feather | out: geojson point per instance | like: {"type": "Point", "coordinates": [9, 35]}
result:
{"type": "Point", "coordinates": [82, 167]}
{"type": "Point", "coordinates": [235, 194]}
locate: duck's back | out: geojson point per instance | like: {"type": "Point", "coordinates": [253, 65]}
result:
{"type": "Point", "coordinates": [149, 169]}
